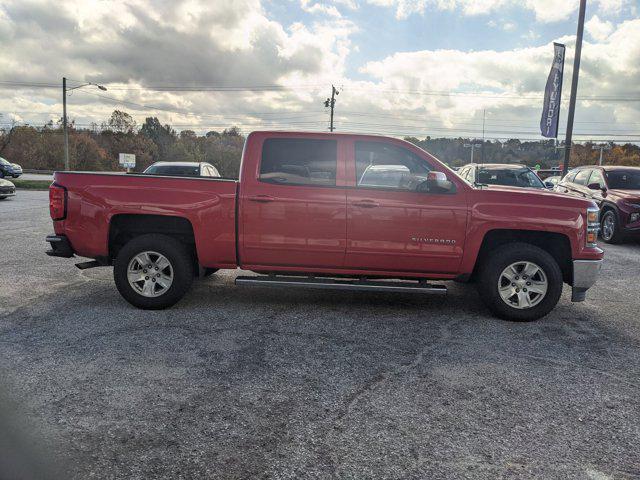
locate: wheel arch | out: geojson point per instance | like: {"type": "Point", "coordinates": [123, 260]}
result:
{"type": "Point", "coordinates": [125, 227]}
{"type": "Point", "coordinates": [556, 244]}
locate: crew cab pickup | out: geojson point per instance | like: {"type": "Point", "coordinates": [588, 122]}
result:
{"type": "Point", "coordinates": [326, 210]}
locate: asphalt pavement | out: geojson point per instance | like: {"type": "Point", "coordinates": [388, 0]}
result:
{"type": "Point", "coordinates": [264, 383]}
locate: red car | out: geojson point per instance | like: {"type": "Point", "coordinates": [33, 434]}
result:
{"type": "Point", "coordinates": [617, 192]}
{"type": "Point", "coordinates": [330, 211]}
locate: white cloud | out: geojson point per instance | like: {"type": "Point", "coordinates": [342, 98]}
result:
{"type": "Point", "coordinates": [503, 24]}
{"type": "Point", "coordinates": [131, 45]}
{"type": "Point", "coordinates": [511, 82]}
{"type": "Point", "coordinates": [310, 6]}
{"type": "Point", "coordinates": [544, 10]}
{"type": "Point", "coordinates": [598, 29]}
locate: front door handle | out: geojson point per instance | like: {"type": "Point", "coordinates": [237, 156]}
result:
{"type": "Point", "coordinates": [365, 203]}
{"type": "Point", "coordinates": [261, 198]}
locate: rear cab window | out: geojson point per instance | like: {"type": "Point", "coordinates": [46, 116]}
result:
{"type": "Point", "coordinates": [299, 161]}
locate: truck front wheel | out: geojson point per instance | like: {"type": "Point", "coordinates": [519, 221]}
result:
{"type": "Point", "coordinates": [153, 272]}
{"type": "Point", "coordinates": [520, 282]}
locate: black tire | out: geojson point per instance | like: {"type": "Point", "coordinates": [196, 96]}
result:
{"type": "Point", "coordinates": [180, 261]}
{"type": "Point", "coordinates": [2, 198]}
{"type": "Point", "coordinates": [616, 235]}
{"type": "Point", "coordinates": [502, 257]}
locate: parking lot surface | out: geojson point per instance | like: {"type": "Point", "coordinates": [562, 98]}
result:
{"type": "Point", "coordinates": [243, 383]}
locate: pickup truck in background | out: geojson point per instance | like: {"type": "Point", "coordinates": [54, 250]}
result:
{"type": "Point", "coordinates": [335, 211]}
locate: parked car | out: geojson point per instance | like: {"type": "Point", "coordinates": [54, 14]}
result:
{"type": "Point", "coordinates": [309, 212]}
{"type": "Point", "coordinates": [8, 169]}
{"type": "Point", "coordinates": [616, 189]}
{"type": "Point", "coordinates": [7, 189]}
{"type": "Point", "coordinates": [511, 175]}
{"type": "Point", "coordinates": [551, 182]}
{"type": "Point", "coordinates": [181, 169]}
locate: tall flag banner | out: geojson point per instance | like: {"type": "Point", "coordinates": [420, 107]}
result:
{"type": "Point", "coordinates": [552, 94]}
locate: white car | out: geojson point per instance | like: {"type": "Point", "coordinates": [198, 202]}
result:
{"type": "Point", "coordinates": [183, 169]}
{"type": "Point", "coordinates": [7, 189]}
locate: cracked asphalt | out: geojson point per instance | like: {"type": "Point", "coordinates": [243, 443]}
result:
{"type": "Point", "coordinates": [264, 383]}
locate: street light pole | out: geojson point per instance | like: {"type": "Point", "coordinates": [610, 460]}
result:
{"type": "Point", "coordinates": [65, 122]}
{"type": "Point", "coordinates": [601, 148]}
{"type": "Point", "coordinates": [472, 146]}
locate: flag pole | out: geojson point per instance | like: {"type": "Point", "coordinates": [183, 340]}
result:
{"type": "Point", "coordinates": [574, 87]}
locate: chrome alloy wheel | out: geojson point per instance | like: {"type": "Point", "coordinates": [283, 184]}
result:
{"type": "Point", "coordinates": [522, 285]}
{"type": "Point", "coordinates": [608, 226]}
{"type": "Point", "coordinates": [150, 274]}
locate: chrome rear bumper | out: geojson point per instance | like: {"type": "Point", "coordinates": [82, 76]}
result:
{"type": "Point", "coordinates": [585, 274]}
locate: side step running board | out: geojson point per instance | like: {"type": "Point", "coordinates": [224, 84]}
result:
{"type": "Point", "coordinates": [333, 284]}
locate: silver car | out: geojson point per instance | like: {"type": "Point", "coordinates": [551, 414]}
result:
{"type": "Point", "coordinates": [7, 189]}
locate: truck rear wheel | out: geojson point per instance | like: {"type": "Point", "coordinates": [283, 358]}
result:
{"type": "Point", "coordinates": [520, 282]}
{"type": "Point", "coordinates": [153, 271]}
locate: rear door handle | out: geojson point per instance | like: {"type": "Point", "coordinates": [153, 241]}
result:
{"type": "Point", "coordinates": [261, 198]}
{"type": "Point", "coordinates": [365, 203]}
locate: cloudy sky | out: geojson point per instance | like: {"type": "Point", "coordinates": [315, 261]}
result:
{"type": "Point", "coordinates": [403, 67]}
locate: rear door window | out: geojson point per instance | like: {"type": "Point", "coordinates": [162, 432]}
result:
{"type": "Point", "coordinates": [299, 161]}
{"type": "Point", "coordinates": [384, 165]}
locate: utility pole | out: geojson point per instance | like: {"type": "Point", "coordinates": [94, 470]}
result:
{"type": "Point", "coordinates": [331, 102]}
{"type": "Point", "coordinates": [472, 146]}
{"type": "Point", "coordinates": [601, 148]}
{"type": "Point", "coordinates": [574, 86]}
{"type": "Point", "coordinates": [64, 123]}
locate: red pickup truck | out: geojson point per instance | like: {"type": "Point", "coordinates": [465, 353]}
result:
{"type": "Point", "coordinates": [334, 211]}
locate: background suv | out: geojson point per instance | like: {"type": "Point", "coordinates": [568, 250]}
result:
{"type": "Point", "coordinates": [8, 169]}
{"type": "Point", "coordinates": [617, 192]}
{"type": "Point", "coordinates": [510, 175]}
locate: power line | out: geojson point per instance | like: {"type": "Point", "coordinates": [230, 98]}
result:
{"type": "Point", "coordinates": [264, 88]}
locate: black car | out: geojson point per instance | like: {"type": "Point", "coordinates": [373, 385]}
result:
{"type": "Point", "coordinates": [7, 189]}
{"type": "Point", "coordinates": [510, 175]}
{"type": "Point", "coordinates": [8, 169]}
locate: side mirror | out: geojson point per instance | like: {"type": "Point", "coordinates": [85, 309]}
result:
{"type": "Point", "coordinates": [595, 186]}
{"type": "Point", "coordinates": [437, 182]}
{"type": "Point", "coordinates": [549, 185]}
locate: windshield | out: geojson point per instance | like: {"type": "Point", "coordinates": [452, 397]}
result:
{"type": "Point", "coordinates": [624, 179]}
{"type": "Point", "coordinates": [4, 162]}
{"type": "Point", "coordinates": [175, 170]}
{"type": "Point", "coordinates": [510, 177]}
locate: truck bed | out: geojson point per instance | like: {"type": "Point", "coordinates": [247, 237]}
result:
{"type": "Point", "coordinates": [209, 204]}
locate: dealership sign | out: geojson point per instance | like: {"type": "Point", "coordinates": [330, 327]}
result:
{"type": "Point", "coordinates": [552, 94]}
{"type": "Point", "coordinates": [127, 160]}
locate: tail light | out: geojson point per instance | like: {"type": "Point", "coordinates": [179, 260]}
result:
{"type": "Point", "coordinates": [593, 226]}
{"type": "Point", "coordinates": [57, 202]}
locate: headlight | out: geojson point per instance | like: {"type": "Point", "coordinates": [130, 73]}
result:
{"type": "Point", "coordinates": [634, 217]}
{"type": "Point", "coordinates": [593, 226]}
